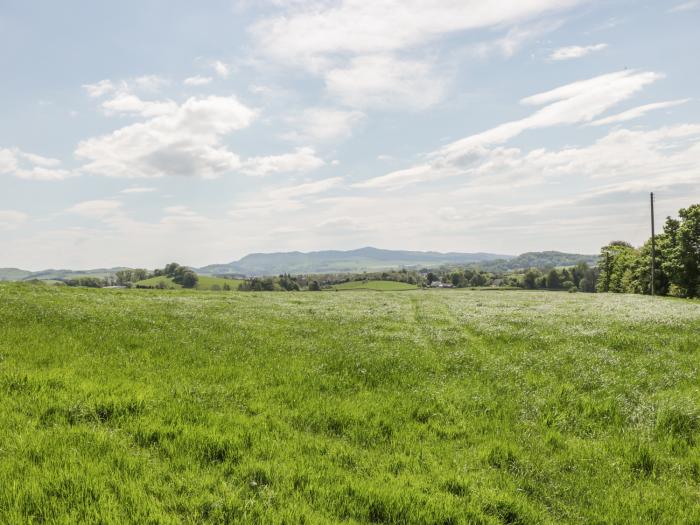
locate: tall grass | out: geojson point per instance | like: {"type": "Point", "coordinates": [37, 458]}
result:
{"type": "Point", "coordinates": [141, 406]}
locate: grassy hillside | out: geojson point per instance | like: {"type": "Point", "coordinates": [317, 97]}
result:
{"type": "Point", "coordinates": [133, 406]}
{"type": "Point", "coordinates": [382, 286]}
{"type": "Point", "coordinates": [205, 282]}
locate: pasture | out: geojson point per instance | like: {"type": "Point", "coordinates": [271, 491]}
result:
{"type": "Point", "coordinates": [381, 286]}
{"type": "Point", "coordinates": [173, 406]}
{"type": "Point", "coordinates": [205, 282]}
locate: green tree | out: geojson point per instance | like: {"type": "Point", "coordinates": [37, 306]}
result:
{"type": "Point", "coordinates": [188, 279]}
{"type": "Point", "coordinates": [553, 282]}
{"type": "Point", "coordinates": [171, 269]}
{"type": "Point", "coordinates": [682, 258]}
{"type": "Point", "coordinates": [617, 259]}
{"type": "Point", "coordinates": [125, 277]}
{"type": "Point", "coordinates": [139, 274]}
{"type": "Point", "coordinates": [530, 279]}
{"type": "Point", "coordinates": [478, 279]}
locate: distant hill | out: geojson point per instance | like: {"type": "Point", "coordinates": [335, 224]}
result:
{"type": "Point", "coordinates": [548, 259]}
{"type": "Point", "coordinates": [14, 274]}
{"type": "Point", "coordinates": [338, 261]}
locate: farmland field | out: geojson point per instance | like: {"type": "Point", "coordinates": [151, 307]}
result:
{"type": "Point", "coordinates": [205, 282]}
{"type": "Point", "coordinates": [148, 406]}
{"type": "Point", "coordinates": [382, 286]}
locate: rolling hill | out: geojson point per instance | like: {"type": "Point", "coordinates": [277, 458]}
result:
{"type": "Point", "coordinates": [338, 261]}
{"type": "Point", "coordinates": [15, 274]}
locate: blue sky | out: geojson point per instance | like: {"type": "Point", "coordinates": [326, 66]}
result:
{"type": "Point", "coordinates": [140, 132]}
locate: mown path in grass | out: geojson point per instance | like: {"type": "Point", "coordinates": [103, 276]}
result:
{"type": "Point", "coordinates": [145, 406]}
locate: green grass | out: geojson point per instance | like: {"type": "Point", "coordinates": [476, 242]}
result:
{"type": "Point", "coordinates": [383, 286]}
{"type": "Point", "coordinates": [141, 406]}
{"type": "Point", "coordinates": [205, 282]}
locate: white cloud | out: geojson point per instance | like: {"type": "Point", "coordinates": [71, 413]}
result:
{"type": "Point", "coordinates": [514, 39]}
{"type": "Point", "coordinates": [303, 159]}
{"type": "Point", "coordinates": [11, 219]}
{"type": "Point", "coordinates": [567, 53]}
{"type": "Point", "coordinates": [579, 102]}
{"type": "Point", "coordinates": [197, 80]}
{"type": "Point", "coordinates": [685, 6]}
{"type": "Point", "coordinates": [31, 166]}
{"type": "Point", "coordinates": [383, 81]}
{"type": "Point", "coordinates": [150, 83]}
{"type": "Point", "coordinates": [138, 189]}
{"type": "Point", "coordinates": [365, 49]}
{"type": "Point", "coordinates": [314, 33]}
{"type": "Point", "coordinates": [38, 160]}
{"type": "Point", "coordinates": [100, 88]}
{"type": "Point", "coordinates": [323, 123]}
{"type": "Point", "coordinates": [220, 68]}
{"type": "Point", "coordinates": [8, 161]}
{"type": "Point", "coordinates": [180, 210]}
{"type": "Point", "coordinates": [145, 83]}
{"type": "Point", "coordinates": [185, 141]}
{"type": "Point", "coordinates": [401, 178]}
{"type": "Point", "coordinates": [638, 112]}
{"type": "Point", "coordinates": [45, 174]}
{"type": "Point", "coordinates": [95, 208]}
{"type": "Point", "coordinates": [304, 190]}
{"type": "Point", "coordinates": [573, 103]}
{"type": "Point", "coordinates": [127, 103]}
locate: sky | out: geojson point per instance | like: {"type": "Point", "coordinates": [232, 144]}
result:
{"type": "Point", "coordinates": [140, 132]}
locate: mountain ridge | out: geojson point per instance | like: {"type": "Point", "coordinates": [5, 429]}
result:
{"type": "Point", "coordinates": [328, 261]}
{"type": "Point", "coordinates": [339, 261]}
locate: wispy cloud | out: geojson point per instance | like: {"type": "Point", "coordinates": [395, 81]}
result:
{"type": "Point", "coordinates": [685, 6]}
{"type": "Point", "coordinates": [365, 50]}
{"type": "Point", "coordinates": [570, 52]}
{"type": "Point", "coordinates": [575, 103]}
{"type": "Point", "coordinates": [138, 189]}
{"type": "Point", "coordinates": [197, 80]}
{"type": "Point", "coordinates": [12, 219]}
{"type": "Point", "coordinates": [301, 160]}
{"type": "Point", "coordinates": [30, 166]}
{"type": "Point", "coordinates": [95, 208]}
{"type": "Point", "coordinates": [638, 112]}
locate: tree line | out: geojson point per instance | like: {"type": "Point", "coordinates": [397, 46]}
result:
{"type": "Point", "coordinates": [128, 277]}
{"type": "Point", "coordinates": [626, 269]}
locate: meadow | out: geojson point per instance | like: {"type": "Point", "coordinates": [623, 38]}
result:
{"type": "Point", "coordinates": [205, 282]}
{"type": "Point", "coordinates": [380, 286]}
{"type": "Point", "coordinates": [425, 406]}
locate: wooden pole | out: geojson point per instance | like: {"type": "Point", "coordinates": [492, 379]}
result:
{"type": "Point", "coordinates": [653, 246]}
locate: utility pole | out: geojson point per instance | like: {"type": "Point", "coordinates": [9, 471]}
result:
{"type": "Point", "coordinates": [653, 246]}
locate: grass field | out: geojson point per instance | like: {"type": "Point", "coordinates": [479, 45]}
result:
{"type": "Point", "coordinates": [382, 286]}
{"type": "Point", "coordinates": [147, 406]}
{"type": "Point", "coordinates": [205, 282]}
